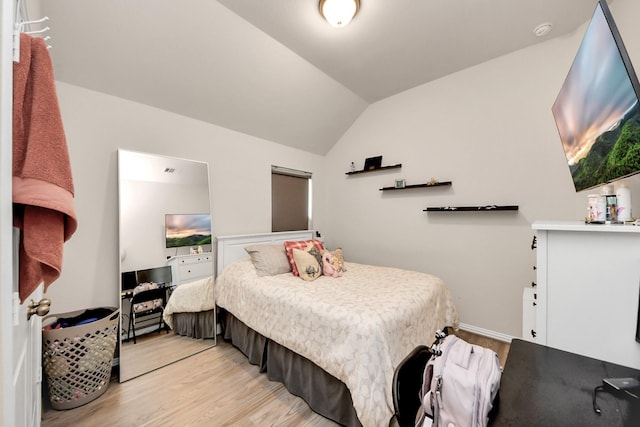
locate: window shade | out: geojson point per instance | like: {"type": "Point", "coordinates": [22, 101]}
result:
{"type": "Point", "coordinates": [289, 200]}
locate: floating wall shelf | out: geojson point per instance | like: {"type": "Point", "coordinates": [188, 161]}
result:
{"type": "Point", "coordinates": [472, 208]}
{"type": "Point", "coordinates": [427, 185]}
{"type": "Point", "coordinates": [399, 165]}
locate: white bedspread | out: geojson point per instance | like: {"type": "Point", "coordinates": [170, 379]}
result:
{"type": "Point", "coordinates": [357, 327]}
{"type": "Point", "coordinates": [189, 297]}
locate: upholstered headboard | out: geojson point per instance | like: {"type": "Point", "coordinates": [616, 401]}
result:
{"type": "Point", "coordinates": [231, 248]}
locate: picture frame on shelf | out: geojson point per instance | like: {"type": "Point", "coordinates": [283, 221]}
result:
{"type": "Point", "coordinates": [372, 163]}
{"type": "Point", "coordinates": [400, 183]}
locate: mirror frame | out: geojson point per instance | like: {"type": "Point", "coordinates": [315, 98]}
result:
{"type": "Point", "coordinates": [148, 170]}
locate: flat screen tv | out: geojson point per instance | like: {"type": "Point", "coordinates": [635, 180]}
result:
{"type": "Point", "coordinates": [187, 230]}
{"type": "Point", "coordinates": [596, 111]}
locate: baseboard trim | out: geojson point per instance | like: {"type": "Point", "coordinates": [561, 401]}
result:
{"type": "Point", "coordinates": [486, 332]}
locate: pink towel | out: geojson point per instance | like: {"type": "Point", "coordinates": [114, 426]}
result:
{"type": "Point", "coordinates": [42, 181]}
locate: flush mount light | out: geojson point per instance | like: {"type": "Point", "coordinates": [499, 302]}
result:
{"type": "Point", "coordinates": [542, 29]}
{"type": "Point", "coordinates": [339, 13]}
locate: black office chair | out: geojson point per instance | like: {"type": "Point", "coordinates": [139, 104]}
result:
{"type": "Point", "coordinates": [146, 303]}
{"type": "Point", "coordinates": [407, 382]}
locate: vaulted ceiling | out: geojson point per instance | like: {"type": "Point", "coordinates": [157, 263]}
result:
{"type": "Point", "coordinates": [275, 69]}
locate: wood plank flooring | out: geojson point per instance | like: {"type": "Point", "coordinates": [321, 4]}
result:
{"type": "Point", "coordinates": [157, 349]}
{"type": "Point", "coordinates": [217, 387]}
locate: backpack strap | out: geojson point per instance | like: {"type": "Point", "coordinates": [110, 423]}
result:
{"type": "Point", "coordinates": [425, 393]}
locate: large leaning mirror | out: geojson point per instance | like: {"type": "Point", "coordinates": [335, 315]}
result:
{"type": "Point", "coordinates": [166, 262]}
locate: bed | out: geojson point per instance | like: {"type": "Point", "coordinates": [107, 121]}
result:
{"type": "Point", "coordinates": [190, 309]}
{"type": "Point", "coordinates": [333, 341]}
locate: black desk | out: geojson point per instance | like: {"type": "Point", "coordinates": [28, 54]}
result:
{"type": "Point", "coordinates": [542, 386]}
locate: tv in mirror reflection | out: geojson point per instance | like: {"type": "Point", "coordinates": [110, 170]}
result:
{"type": "Point", "coordinates": [596, 111]}
{"type": "Point", "coordinates": [187, 230]}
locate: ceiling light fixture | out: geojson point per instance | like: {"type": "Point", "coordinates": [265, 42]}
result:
{"type": "Point", "coordinates": [339, 13]}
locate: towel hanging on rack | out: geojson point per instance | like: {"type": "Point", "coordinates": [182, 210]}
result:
{"type": "Point", "coordinates": [42, 181]}
{"type": "Point", "coordinates": [23, 24]}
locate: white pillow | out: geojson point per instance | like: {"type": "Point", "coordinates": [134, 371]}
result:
{"type": "Point", "coordinates": [269, 259]}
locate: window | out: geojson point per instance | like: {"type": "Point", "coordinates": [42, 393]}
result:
{"type": "Point", "coordinates": [290, 199]}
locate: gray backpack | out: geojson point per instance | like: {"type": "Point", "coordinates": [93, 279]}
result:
{"type": "Point", "coordinates": [460, 383]}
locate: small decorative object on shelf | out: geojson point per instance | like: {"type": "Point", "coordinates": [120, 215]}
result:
{"type": "Point", "coordinates": [400, 183]}
{"type": "Point", "coordinates": [352, 167]}
{"type": "Point", "coordinates": [472, 208]}
{"type": "Point", "coordinates": [432, 183]}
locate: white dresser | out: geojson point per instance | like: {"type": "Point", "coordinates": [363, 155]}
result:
{"type": "Point", "coordinates": [588, 281]}
{"type": "Point", "coordinates": [187, 268]}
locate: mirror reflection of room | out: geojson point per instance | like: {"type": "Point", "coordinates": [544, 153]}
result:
{"type": "Point", "coordinates": [166, 293]}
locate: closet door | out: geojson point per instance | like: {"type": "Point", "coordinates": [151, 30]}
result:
{"type": "Point", "coordinates": [27, 350]}
{"type": "Point", "coordinates": [20, 338]}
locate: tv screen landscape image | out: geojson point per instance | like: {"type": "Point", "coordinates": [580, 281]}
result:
{"type": "Point", "coordinates": [187, 230]}
{"type": "Point", "coordinates": [596, 111]}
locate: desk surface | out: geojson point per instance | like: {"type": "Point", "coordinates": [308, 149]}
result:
{"type": "Point", "coordinates": [542, 386]}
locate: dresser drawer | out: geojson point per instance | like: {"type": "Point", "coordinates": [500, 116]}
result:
{"type": "Point", "coordinates": [192, 271]}
{"type": "Point", "coordinates": [187, 268]}
{"type": "Point", "coordinates": [194, 259]}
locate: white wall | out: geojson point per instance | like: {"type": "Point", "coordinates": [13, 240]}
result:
{"type": "Point", "coordinates": [96, 125]}
{"type": "Point", "coordinates": [490, 131]}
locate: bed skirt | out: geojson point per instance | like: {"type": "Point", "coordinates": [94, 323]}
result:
{"type": "Point", "coordinates": [324, 393]}
{"type": "Point", "coordinates": [200, 325]}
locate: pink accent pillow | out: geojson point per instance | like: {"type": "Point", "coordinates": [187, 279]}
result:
{"type": "Point", "coordinates": [302, 245]}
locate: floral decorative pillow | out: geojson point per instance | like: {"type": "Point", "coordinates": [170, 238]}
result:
{"type": "Point", "coordinates": [338, 260]}
{"type": "Point", "coordinates": [315, 252]}
{"type": "Point", "coordinates": [302, 245]}
{"type": "Point", "coordinates": [307, 264]}
{"type": "Point", "coordinates": [333, 263]}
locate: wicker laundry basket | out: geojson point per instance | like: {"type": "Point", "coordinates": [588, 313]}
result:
{"type": "Point", "coordinates": [77, 360]}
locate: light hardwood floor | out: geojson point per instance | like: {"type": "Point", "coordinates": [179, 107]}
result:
{"type": "Point", "coordinates": [154, 350]}
{"type": "Point", "coordinates": [217, 387]}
